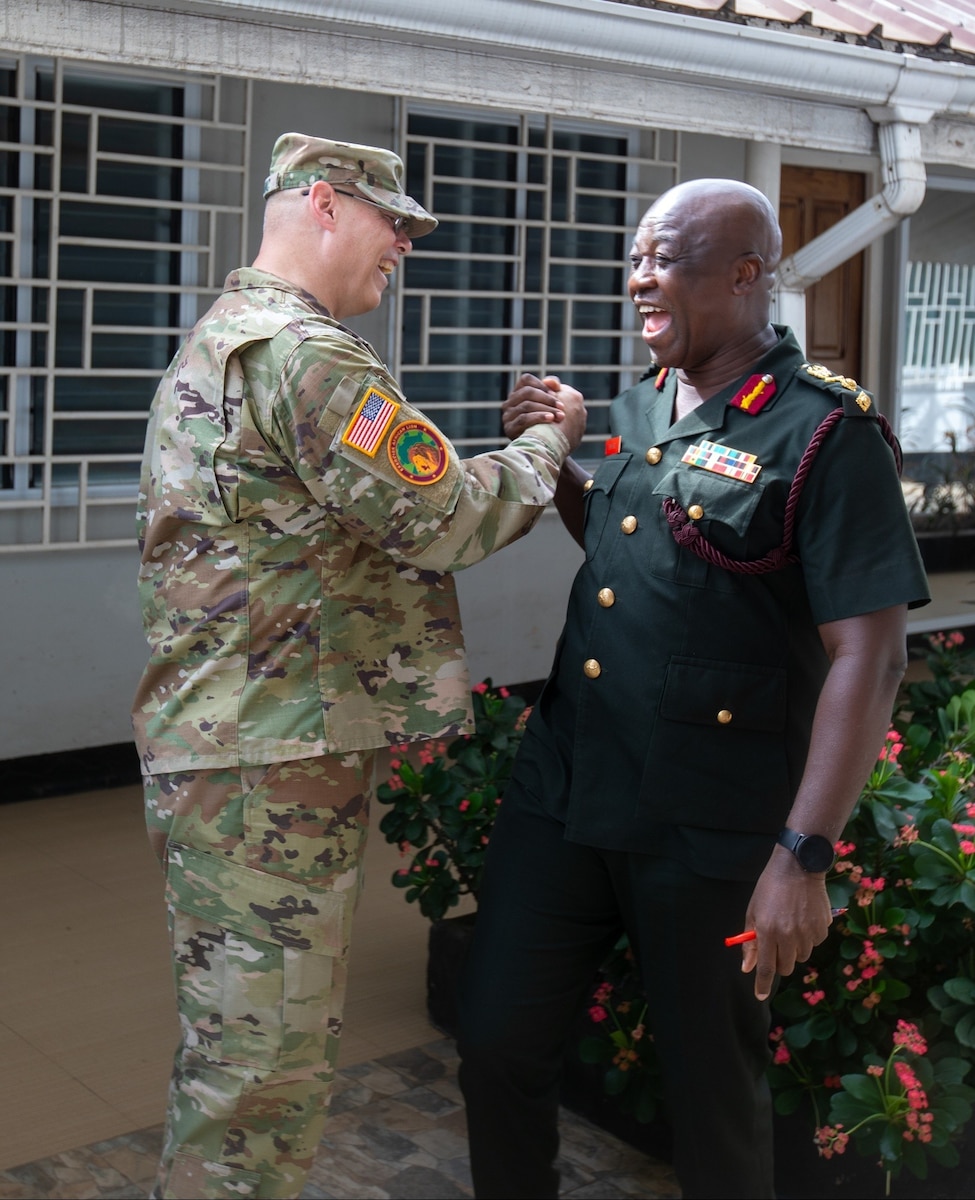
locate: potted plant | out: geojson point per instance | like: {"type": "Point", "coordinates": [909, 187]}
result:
{"type": "Point", "coordinates": [442, 800]}
{"type": "Point", "coordinates": [874, 1037]}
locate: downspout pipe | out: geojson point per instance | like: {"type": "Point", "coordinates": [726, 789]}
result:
{"type": "Point", "coordinates": [905, 179]}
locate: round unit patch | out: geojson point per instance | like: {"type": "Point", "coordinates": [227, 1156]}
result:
{"type": "Point", "coordinates": [418, 453]}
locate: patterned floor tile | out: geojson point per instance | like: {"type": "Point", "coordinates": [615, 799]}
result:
{"type": "Point", "coordinates": [396, 1132]}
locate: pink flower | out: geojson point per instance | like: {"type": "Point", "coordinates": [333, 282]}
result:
{"type": "Point", "coordinates": [503, 693]}
{"type": "Point", "coordinates": [891, 748]}
{"type": "Point", "coordinates": [908, 1036]}
{"type": "Point", "coordinates": [831, 1140]}
{"type": "Point", "coordinates": [480, 688]}
{"type": "Point", "coordinates": [781, 1054]}
{"type": "Point", "coordinates": [464, 805]}
{"type": "Point", "coordinates": [906, 834]}
{"type": "Point", "coordinates": [843, 849]}
{"type": "Point", "coordinates": [597, 1013]}
{"type": "Point", "coordinates": [814, 998]}
{"type": "Point", "coordinates": [873, 1069]}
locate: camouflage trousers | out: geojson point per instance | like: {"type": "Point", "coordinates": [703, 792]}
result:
{"type": "Point", "coordinates": [263, 871]}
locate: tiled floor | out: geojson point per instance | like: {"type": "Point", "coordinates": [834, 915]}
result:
{"type": "Point", "coordinates": [87, 1029]}
{"type": "Point", "coordinates": [396, 1131]}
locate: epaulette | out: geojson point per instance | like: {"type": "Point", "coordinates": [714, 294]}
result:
{"type": "Point", "coordinates": [855, 400]}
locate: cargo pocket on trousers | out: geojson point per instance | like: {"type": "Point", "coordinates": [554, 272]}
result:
{"type": "Point", "coordinates": [254, 955]}
{"type": "Point", "coordinates": [192, 1178]}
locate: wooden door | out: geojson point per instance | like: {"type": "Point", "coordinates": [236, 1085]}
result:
{"type": "Point", "coordinates": [812, 200]}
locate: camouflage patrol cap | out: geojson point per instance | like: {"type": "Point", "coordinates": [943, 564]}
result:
{"type": "Point", "coordinates": [298, 160]}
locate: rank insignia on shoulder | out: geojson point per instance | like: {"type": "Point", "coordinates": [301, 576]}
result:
{"type": "Point", "coordinates": [613, 445]}
{"type": "Point", "coordinates": [825, 377]}
{"type": "Point", "coordinates": [723, 460]}
{"type": "Point", "coordinates": [418, 453]}
{"type": "Point", "coordinates": [752, 397]}
{"type": "Point", "coordinates": [370, 421]}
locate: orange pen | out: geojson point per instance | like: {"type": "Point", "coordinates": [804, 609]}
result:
{"type": "Point", "coordinates": [749, 934]}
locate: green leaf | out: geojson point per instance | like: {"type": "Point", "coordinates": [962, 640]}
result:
{"type": "Point", "coordinates": [862, 1087]}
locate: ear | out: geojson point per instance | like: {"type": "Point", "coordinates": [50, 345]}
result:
{"type": "Point", "coordinates": [749, 269]}
{"type": "Point", "coordinates": [322, 203]}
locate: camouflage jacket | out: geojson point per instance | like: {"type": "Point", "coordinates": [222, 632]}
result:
{"type": "Point", "coordinates": [298, 523]}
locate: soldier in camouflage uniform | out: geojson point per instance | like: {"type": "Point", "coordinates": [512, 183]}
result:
{"type": "Point", "coordinates": [299, 522]}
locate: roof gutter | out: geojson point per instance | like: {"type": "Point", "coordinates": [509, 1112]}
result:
{"type": "Point", "coordinates": [905, 179]}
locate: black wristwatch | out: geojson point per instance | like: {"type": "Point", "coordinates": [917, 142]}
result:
{"type": "Point", "coordinates": [813, 852]}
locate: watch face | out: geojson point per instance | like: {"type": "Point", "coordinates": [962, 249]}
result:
{"type": "Point", "coordinates": [815, 853]}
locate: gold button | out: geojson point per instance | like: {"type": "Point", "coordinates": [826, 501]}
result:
{"type": "Point", "coordinates": [724, 717]}
{"type": "Point", "coordinates": [695, 512]}
{"type": "Point", "coordinates": [606, 597]}
{"type": "Point", "coordinates": [654, 455]}
{"type": "Point", "coordinates": [588, 484]}
{"type": "Point", "coordinates": [628, 524]}
{"type": "Point", "coordinates": [592, 668]}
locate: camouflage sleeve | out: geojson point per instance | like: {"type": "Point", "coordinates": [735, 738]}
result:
{"type": "Point", "coordinates": [391, 478]}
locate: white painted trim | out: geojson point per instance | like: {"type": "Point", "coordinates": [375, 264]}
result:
{"type": "Point", "coordinates": [587, 58]}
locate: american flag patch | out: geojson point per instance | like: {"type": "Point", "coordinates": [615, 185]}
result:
{"type": "Point", "coordinates": [369, 422]}
{"type": "Point", "coordinates": [723, 460]}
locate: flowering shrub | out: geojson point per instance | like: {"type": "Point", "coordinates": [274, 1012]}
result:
{"type": "Point", "coordinates": [443, 798]}
{"type": "Point", "coordinates": [875, 1034]}
{"type": "Point", "coordinates": [623, 1043]}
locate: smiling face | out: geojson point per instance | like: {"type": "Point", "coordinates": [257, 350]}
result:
{"type": "Point", "coordinates": [702, 266]}
{"type": "Point", "coordinates": [368, 250]}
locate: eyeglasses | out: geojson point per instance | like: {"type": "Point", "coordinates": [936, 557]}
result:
{"type": "Point", "coordinates": [399, 224]}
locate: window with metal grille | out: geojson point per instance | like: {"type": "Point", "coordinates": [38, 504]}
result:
{"type": "Point", "coordinates": [121, 206]}
{"type": "Point", "coordinates": [937, 401]}
{"type": "Point", "coordinates": [527, 269]}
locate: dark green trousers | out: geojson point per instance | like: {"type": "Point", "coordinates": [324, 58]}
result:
{"type": "Point", "coordinates": [549, 912]}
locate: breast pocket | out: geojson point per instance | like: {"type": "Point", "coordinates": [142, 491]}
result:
{"type": "Point", "coordinates": [597, 500]}
{"type": "Point", "coordinates": [720, 499]}
{"type": "Point", "coordinates": [726, 512]}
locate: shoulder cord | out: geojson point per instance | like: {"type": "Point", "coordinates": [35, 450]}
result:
{"type": "Point", "coordinates": [687, 534]}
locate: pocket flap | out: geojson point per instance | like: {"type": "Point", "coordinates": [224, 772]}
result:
{"type": "Point", "coordinates": [257, 904]}
{"type": "Point", "coordinates": [734, 695]}
{"type": "Point", "coordinates": [729, 501]}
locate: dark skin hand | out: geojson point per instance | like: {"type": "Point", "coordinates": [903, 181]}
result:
{"type": "Point", "coordinates": [789, 909]}
{"type": "Point", "coordinates": [533, 400]}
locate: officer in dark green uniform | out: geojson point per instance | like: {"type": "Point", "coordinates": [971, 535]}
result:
{"type": "Point", "coordinates": [724, 680]}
